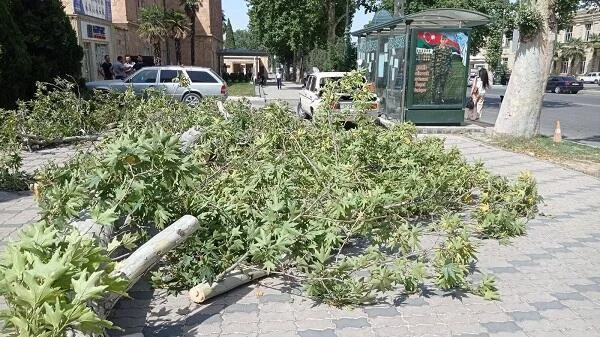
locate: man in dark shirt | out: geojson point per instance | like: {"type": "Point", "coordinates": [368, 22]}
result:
{"type": "Point", "coordinates": [106, 68]}
{"type": "Point", "coordinates": [139, 64]}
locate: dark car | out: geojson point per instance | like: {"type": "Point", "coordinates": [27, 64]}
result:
{"type": "Point", "coordinates": [568, 84]}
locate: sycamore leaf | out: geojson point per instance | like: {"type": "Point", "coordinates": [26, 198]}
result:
{"type": "Point", "coordinates": [87, 288]}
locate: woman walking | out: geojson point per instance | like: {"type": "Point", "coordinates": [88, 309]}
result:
{"type": "Point", "coordinates": [478, 90]}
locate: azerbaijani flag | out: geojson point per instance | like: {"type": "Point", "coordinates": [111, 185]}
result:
{"type": "Point", "coordinates": [431, 39]}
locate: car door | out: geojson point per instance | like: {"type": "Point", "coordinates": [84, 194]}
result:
{"type": "Point", "coordinates": [304, 98]}
{"type": "Point", "coordinates": [551, 84]}
{"type": "Point", "coordinates": [169, 82]}
{"type": "Point", "coordinates": [204, 82]}
{"type": "Point", "coordinates": [143, 80]}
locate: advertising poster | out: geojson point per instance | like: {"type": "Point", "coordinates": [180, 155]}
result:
{"type": "Point", "coordinates": [440, 67]}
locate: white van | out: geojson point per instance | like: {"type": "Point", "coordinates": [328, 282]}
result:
{"type": "Point", "coordinates": [590, 78]}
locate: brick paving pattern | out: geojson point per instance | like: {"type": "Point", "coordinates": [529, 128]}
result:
{"type": "Point", "coordinates": [549, 280]}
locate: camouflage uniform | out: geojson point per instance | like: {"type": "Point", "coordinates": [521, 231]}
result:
{"type": "Point", "coordinates": [440, 65]}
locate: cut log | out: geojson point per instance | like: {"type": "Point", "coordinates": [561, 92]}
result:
{"type": "Point", "coordinates": [222, 110]}
{"type": "Point", "coordinates": [40, 141]}
{"type": "Point", "coordinates": [205, 291]}
{"type": "Point", "coordinates": [146, 256]}
{"type": "Point", "coordinates": [102, 234]}
{"type": "Point", "coordinates": [190, 138]}
{"type": "Point", "coordinates": [386, 123]}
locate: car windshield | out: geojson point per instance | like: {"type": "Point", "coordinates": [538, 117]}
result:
{"type": "Point", "coordinates": [569, 78]}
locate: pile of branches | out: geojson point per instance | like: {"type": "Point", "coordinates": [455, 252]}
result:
{"type": "Point", "coordinates": [351, 214]}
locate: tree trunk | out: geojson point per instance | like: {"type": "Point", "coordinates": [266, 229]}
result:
{"type": "Point", "coordinates": [331, 22]}
{"type": "Point", "coordinates": [178, 51]}
{"type": "Point", "coordinates": [157, 53]}
{"type": "Point", "coordinates": [522, 105]}
{"type": "Point", "coordinates": [193, 40]}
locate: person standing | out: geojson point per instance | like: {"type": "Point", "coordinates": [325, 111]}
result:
{"type": "Point", "coordinates": [139, 64]}
{"type": "Point", "coordinates": [478, 90]}
{"type": "Point", "coordinates": [278, 78]}
{"type": "Point", "coordinates": [441, 66]}
{"type": "Point", "coordinates": [119, 69]}
{"type": "Point", "coordinates": [129, 64]}
{"type": "Point", "coordinates": [106, 68]}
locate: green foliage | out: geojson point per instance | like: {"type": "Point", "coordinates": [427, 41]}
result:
{"type": "Point", "coordinates": [15, 62]}
{"type": "Point", "coordinates": [40, 46]}
{"type": "Point", "coordinates": [344, 211]}
{"type": "Point", "coordinates": [11, 176]}
{"type": "Point", "coordinates": [503, 205]}
{"type": "Point", "coordinates": [153, 27]}
{"type": "Point", "coordinates": [48, 281]}
{"type": "Point", "coordinates": [230, 36]}
{"type": "Point", "coordinates": [529, 22]}
{"type": "Point", "coordinates": [244, 38]}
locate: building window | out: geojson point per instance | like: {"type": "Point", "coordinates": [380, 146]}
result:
{"type": "Point", "coordinates": [505, 61]}
{"type": "Point", "coordinates": [588, 31]}
{"type": "Point", "coordinates": [569, 33]}
{"type": "Point", "coordinates": [582, 66]}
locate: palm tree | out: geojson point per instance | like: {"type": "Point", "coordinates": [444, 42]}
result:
{"type": "Point", "coordinates": [191, 7]}
{"type": "Point", "coordinates": [594, 43]}
{"type": "Point", "coordinates": [153, 27]}
{"type": "Point", "coordinates": [572, 50]}
{"type": "Point", "coordinates": [179, 27]}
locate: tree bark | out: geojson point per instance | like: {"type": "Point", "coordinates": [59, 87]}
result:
{"type": "Point", "coordinates": [193, 40]}
{"type": "Point", "coordinates": [178, 51]}
{"type": "Point", "coordinates": [157, 53]}
{"type": "Point", "coordinates": [522, 105]}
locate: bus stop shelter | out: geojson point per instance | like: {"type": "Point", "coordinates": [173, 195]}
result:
{"type": "Point", "coordinates": [418, 64]}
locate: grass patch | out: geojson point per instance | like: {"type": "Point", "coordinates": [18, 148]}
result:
{"type": "Point", "coordinates": [241, 89]}
{"type": "Point", "coordinates": [576, 156]}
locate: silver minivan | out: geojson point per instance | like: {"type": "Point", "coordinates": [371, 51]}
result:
{"type": "Point", "coordinates": [201, 82]}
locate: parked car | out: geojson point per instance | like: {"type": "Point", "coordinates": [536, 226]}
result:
{"type": "Point", "coordinates": [310, 98]}
{"type": "Point", "coordinates": [202, 82]}
{"type": "Point", "coordinates": [560, 84]}
{"type": "Point", "coordinates": [590, 78]}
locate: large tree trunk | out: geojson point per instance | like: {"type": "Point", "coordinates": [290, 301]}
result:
{"type": "Point", "coordinates": [157, 54]}
{"type": "Point", "coordinates": [522, 105]}
{"type": "Point", "coordinates": [178, 51]}
{"type": "Point", "coordinates": [193, 40]}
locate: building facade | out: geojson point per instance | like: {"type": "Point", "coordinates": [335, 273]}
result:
{"type": "Point", "coordinates": [92, 22]}
{"type": "Point", "coordinates": [109, 27]}
{"type": "Point", "coordinates": [585, 25]}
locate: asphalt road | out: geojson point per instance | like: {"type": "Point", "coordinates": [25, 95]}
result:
{"type": "Point", "coordinates": [579, 115]}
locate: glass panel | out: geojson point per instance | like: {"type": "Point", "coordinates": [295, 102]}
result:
{"type": "Point", "coordinates": [395, 82]}
{"type": "Point", "coordinates": [169, 76]}
{"type": "Point", "coordinates": [440, 68]}
{"type": "Point", "coordinates": [145, 76]}
{"type": "Point", "coordinates": [201, 77]}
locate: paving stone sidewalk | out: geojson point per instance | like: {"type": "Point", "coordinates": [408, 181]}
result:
{"type": "Point", "coordinates": [549, 280]}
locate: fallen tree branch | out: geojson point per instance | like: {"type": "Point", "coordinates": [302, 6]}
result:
{"type": "Point", "coordinates": [205, 291]}
{"type": "Point", "coordinates": [41, 141]}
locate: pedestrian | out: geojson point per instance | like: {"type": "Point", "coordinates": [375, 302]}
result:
{"type": "Point", "coordinates": [480, 85]}
{"type": "Point", "coordinates": [129, 64]}
{"type": "Point", "coordinates": [139, 64]}
{"type": "Point", "coordinates": [118, 68]}
{"type": "Point", "coordinates": [106, 68]}
{"type": "Point", "coordinates": [278, 78]}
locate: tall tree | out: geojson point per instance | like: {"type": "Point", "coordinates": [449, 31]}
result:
{"type": "Point", "coordinates": [15, 62]}
{"type": "Point", "coordinates": [246, 39]}
{"type": "Point", "coordinates": [572, 51]}
{"type": "Point", "coordinates": [153, 27]}
{"type": "Point", "coordinates": [229, 35]}
{"type": "Point", "coordinates": [522, 105]}
{"type": "Point", "coordinates": [191, 7]}
{"type": "Point", "coordinates": [594, 44]}
{"type": "Point", "coordinates": [179, 26]}
{"type": "Point", "coordinates": [50, 42]}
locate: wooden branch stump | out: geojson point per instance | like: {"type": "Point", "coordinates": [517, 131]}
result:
{"type": "Point", "coordinates": [205, 291]}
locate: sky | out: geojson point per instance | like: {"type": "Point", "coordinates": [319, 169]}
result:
{"type": "Point", "coordinates": [237, 12]}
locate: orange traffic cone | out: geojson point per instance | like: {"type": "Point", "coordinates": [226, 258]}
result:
{"type": "Point", "coordinates": [557, 134]}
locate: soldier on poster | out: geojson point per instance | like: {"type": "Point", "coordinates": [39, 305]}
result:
{"type": "Point", "coordinates": [441, 64]}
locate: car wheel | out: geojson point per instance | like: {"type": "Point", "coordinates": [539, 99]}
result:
{"type": "Point", "coordinates": [192, 99]}
{"type": "Point", "coordinates": [557, 90]}
{"type": "Point", "coordinates": [596, 82]}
